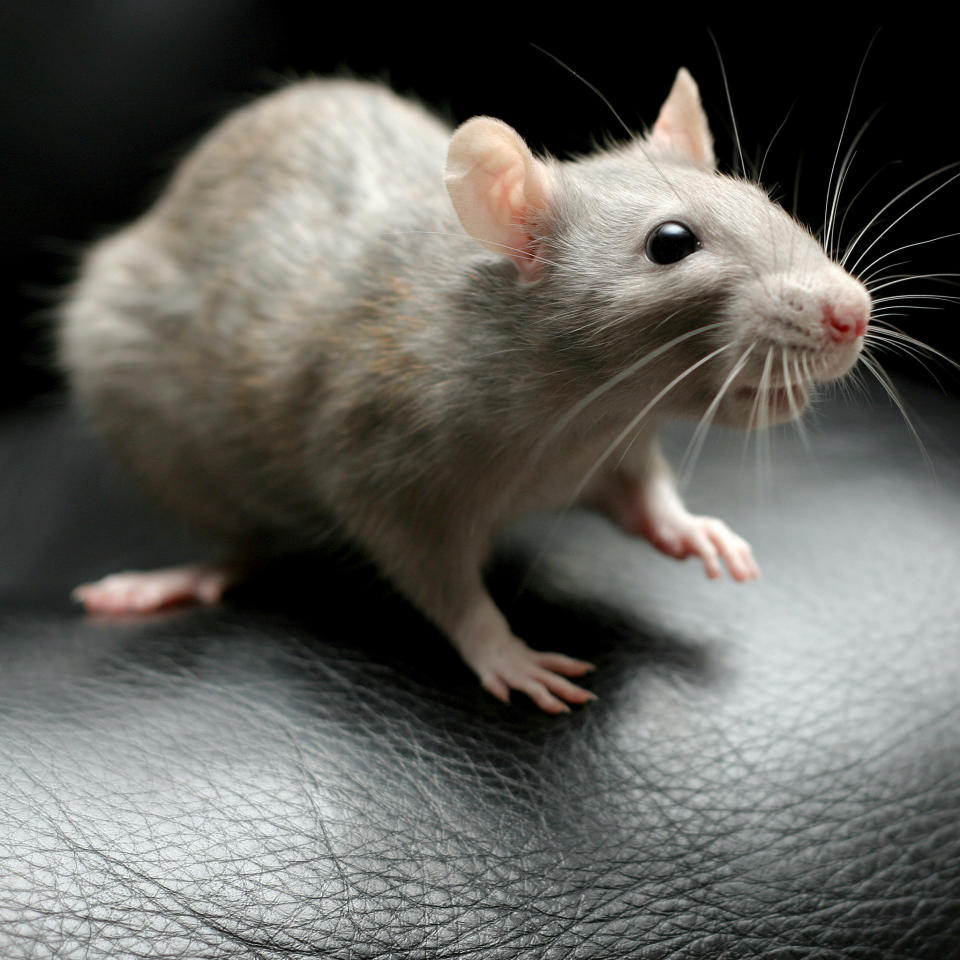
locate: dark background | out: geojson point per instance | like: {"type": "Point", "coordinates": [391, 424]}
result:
{"type": "Point", "coordinates": [99, 99]}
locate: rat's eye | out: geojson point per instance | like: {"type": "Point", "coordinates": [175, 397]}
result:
{"type": "Point", "coordinates": [670, 242]}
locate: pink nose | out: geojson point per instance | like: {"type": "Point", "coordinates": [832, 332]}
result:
{"type": "Point", "coordinates": [844, 324]}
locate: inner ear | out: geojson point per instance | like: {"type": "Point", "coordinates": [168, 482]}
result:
{"type": "Point", "coordinates": [681, 128]}
{"type": "Point", "coordinates": [497, 187]}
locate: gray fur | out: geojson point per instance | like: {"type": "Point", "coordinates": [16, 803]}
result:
{"type": "Point", "coordinates": [301, 328]}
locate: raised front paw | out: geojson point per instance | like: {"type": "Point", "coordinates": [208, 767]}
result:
{"type": "Point", "coordinates": [684, 535]}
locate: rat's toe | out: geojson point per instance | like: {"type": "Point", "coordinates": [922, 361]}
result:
{"type": "Point", "coordinates": [564, 689]}
{"type": "Point", "coordinates": [562, 664]}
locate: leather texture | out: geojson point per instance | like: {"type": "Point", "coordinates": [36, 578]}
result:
{"type": "Point", "coordinates": [308, 771]}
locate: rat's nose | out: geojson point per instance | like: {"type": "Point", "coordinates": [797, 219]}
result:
{"type": "Point", "coordinates": [843, 323]}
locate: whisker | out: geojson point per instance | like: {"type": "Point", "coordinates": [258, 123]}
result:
{"type": "Point", "coordinates": [796, 188]}
{"type": "Point", "coordinates": [557, 428]}
{"type": "Point", "coordinates": [638, 141]}
{"type": "Point", "coordinates": [936, 276]}
{"type": "Point", "coordinates": [904, 278]}
{"type": "Point", "coordinates": [890, 203]}
{"type": "Point", "coordinates": [629, 429]}
{"type": "Point", "coordinates": [756, 425]}
{"type": "Point", "coordinates": [726, 87]}
{"type": "Point", "coordinates": [765, 447]}
{"type": "Point", "coordinates": [827, 214]}
{"type": "Point", "coordinates": [632, 425]}
{"type": "Point", "coordinates": [783, 123]}
{"type": "Point", "coordinates": [692, 453]}
{"type": "Point", "coordinates": [867, 278]}
{"type": "Point", "coordinates": [599, 325]}
{"type": "Point", "coordinates": [873, 176]}
{"type": "Point", "coordinates": [845, 168]}
{"type": "Point", "coordinates": [794, 409]}
{"type": "Point", "coordinates": [816, 389]}
{"type": "Point", "coordinates": [907, 246]}
{"type": "Point", "coordinates": [902, 301]}
{"type": "Point", "coordinates": [831, 223]}
{"type": "Point", "coordinates": [587, 84]}
{"type": "Point", "coordinates": [887, 332]}
{"type": "Point", "coordinates": [891, 345]}
{"type": "Point", "coordinates": [856, 378]}
{"type": "Point", "coordinates": [873, 365]}
{"type": "Point", "coordinates": [896, 310]}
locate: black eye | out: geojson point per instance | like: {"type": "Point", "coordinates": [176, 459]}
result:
{"type": "Point", "coordinates": [670, 242]}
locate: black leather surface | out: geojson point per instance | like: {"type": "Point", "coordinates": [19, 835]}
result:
{"type": "Point", "coordinates": [770, 771]}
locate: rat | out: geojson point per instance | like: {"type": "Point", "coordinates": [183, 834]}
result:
{"type": "Point", "coordinates": [342, 311]}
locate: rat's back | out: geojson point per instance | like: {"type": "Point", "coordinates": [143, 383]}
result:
{"type": "Point", "coordinates": [323, 167]}
{"type": "Point", "coordinates": [192, 335]}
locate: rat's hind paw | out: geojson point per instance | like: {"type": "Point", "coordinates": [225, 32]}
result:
{"type": "Point", "coordinates": [148, 592]}
{"type": "Point", "coordinates": [504, 663]}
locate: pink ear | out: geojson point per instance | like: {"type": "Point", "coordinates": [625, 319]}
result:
{"type": "Point", "coordinates": [681, 126]}
{"type": "Point", "coordinates": [496, 185]}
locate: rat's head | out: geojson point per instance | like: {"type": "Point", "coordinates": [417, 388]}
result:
{"type": "Point", "coordinates": [645, 251]}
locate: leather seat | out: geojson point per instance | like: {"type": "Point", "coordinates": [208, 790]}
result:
{"type": "Point", "coordinates": [769, 771]}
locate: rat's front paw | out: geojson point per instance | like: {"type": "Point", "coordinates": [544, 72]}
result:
{"type": "Point", "coordinates": [654, 510]}
{"type": "Point", "coordinates": [683, 535]}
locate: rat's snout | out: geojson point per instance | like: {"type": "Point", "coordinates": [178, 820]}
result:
{"type": "Point", "coordinates": [845, 322]}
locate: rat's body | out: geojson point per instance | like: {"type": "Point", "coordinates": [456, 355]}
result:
{"type": "Point", "coordinates": [300, 330]}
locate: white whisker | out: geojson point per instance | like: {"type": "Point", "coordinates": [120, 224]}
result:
{"type": "Point", "coordinates": [893, 281]}
{"type": "Point", "coordinates": [726, 87]}
{"type": "Point", "coordinates": [636, 140]}
{"type": "Point", "coordinates": [897, 310]}
{"type": "Point", "coordinates": [632, 425]}
{"type": "Point", "coordinates": [852, 246]}
{"type": "Point", "coordinates": [871, 364]}
{"type": "Point", "coordinates": [783, 123]}
{"type": "Point", "coordinates": [866, 184]}
{"type": "Point", "coordinates": [796, 188]}
{"type": "Point", "coordinates": [829, 210]}
{"type": "Point", "coordinates": [630, 428]}
{"type": "Point", "coordinates": [794, 409]}
{"type": "Point", "coordinates": [689, 459]}
{"type": "Point", "coordinates": [757, 421]}
{"type": "Point", "coordinates": [890, 333]}
{"type": "Point", "coordinates": [867, 278]}
{"type": "Point", "coordinates": [893, 346]}
{"type": "Point", "coordinates": [907, 246]}
{"type": "Point", "coordinates": [560, 425]}
{"type": "Point", "coordinates": [587, 84]}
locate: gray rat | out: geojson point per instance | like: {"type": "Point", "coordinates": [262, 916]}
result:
{"type": "Point", "coordinates": [307, 325]}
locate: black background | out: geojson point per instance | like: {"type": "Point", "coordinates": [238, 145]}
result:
{"type": "Point", "coordinates": [99, 99]}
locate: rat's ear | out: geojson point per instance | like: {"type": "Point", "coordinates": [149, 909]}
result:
{"type": "Point", "coordinates": [496, 185]}
{"type": "Point", "coordinates": [681, 126]}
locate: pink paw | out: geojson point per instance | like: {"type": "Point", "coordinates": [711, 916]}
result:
{"type": "Point", "coordinates": [541, 676]}
{"type": "Point", "coordinates": [709, 539]}
{"type": "Point", "coordinates": [148, 592]}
